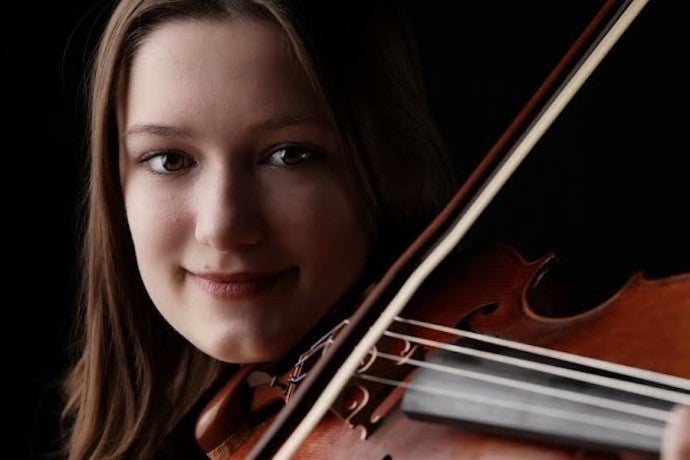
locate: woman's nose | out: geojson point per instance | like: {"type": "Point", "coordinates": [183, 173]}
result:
{"type": "Point", "coordinates": [227, 211]}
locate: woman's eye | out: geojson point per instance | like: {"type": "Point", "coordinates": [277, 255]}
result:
{"type": "Point", "coordinates": [291, 156]}
{"type": "Point", "coordinates": [167, 162]}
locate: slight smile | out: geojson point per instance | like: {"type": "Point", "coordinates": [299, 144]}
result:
{"type": "Point", "coordinates": [241, 284]}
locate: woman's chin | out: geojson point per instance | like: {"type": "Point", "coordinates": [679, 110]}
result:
{"type": "Point", "coordinates": [258, 350]}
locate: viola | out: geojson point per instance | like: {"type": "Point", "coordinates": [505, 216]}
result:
{"type": "Point", "coordinates": [457, 355]}
{"type": "Point", "coordinates": [479, 347]}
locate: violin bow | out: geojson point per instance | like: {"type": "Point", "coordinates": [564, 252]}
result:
{"type": "Point", "coordinates": [391, 294]}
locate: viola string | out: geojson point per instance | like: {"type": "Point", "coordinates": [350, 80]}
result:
{"type": "Point", "coordinates": [643, 374]}
{"type": "Point", "coordinates": [603, 402]}
{"type": "Point", "coordinates": [606, 422]}
{"type": "Point", "coordinates": [616, 384]}
{"type": "Point", "coordinates": [606, 403]}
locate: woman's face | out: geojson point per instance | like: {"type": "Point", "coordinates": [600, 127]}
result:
{"type": "Point", "coordinates": [245, 222]}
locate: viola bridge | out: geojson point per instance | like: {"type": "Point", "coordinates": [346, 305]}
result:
{"type": "Point", "coordinates": [366, 400]}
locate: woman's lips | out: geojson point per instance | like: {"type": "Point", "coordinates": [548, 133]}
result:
{"type": "Point", "coordinates": [235, 285]}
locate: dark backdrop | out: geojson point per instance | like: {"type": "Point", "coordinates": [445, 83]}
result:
{"type": "Point", "coordinates": [606, 189]}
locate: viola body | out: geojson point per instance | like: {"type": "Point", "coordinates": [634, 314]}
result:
{"type": "Point", "coordinates": [493, 292]}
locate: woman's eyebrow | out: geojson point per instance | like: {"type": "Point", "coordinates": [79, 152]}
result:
{"type": "Point", "coordinates": [271, 122]}
{"type": "Point", "coordinates": [154, 129]}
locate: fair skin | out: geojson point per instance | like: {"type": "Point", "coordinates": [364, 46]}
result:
{"type": "Point", "coordinates": [676, 441]}
{"type": "Point", "coordinates": [244, 218]}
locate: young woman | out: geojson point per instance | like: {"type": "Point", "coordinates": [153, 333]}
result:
{"type": "Point", "coordinates": [249, 160]}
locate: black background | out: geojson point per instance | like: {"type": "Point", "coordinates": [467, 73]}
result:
{"type": "Point", "coordinates": [606, 189]}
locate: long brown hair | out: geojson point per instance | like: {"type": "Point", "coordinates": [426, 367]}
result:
{"type": "Point", "coordinates": [134, 377]}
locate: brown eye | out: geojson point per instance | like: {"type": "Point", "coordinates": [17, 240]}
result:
{"type": "Point", "coordinates": [291, 156]}
{"type": "Point", "coordinates": [168, 162]}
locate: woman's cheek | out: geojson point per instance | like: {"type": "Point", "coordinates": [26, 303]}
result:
{"type": "Point", "coordinates": [156, 221]}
